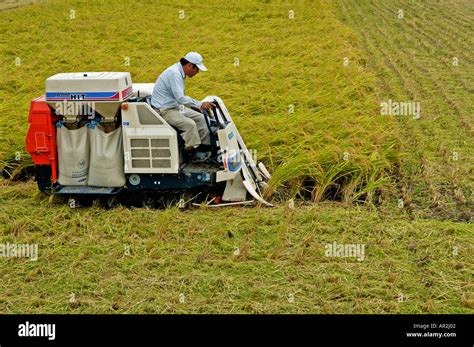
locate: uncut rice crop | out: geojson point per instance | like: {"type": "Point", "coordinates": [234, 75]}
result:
{"type": "Point", "coordinates": [282, 70]}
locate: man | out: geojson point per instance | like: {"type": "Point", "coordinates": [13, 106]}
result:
{"type": "Point", "coordinates": [174, 106]}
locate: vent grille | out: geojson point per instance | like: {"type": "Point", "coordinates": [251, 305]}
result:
{"type": "Point", "coordinates": [150, 153]}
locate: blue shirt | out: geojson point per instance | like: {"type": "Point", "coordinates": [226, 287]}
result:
{"type": "Point", "coordinates": [169, 89]}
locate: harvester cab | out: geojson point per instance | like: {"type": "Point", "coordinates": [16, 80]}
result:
{"type": "Point", "coordinates": [95, 134]}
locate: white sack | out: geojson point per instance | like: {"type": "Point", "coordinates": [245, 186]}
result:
{"type": "Point", "coordinates": [106, 158]}
{"type": "Point", "coordinates": [73, 156]}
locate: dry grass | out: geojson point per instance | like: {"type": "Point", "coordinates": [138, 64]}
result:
{"type": "Point", "coordinates": [411, 265]}
{"type": "Point", "coordinates": [6, 5]}
{"type": "Point", "coordinates": [281, 255]}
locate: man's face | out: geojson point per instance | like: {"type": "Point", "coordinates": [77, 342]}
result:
{"type": "Point", "coordinates": [190, 70]}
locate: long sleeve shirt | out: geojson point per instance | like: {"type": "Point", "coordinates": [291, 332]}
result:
{"type": "Point", "coordinates": [169, 89]}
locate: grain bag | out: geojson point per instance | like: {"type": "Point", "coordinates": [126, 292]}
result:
{"type": "Point", "coordinates": [73, 156]}
{"type": "Point", "coordinates": [106, 158]}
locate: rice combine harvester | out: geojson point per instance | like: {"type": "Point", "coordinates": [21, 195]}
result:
{"type": "Point", "coordinates": [95, 135]}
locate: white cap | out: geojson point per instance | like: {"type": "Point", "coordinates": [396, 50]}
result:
{"type": "Point", "coordinates": [196, 59]}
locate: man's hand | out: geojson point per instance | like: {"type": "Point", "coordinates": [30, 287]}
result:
{"type": "Point", "coordinates": [207, 105]}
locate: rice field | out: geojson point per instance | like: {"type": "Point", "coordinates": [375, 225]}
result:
{"type": "Point", "coordinates": [423, 57]}
{"type": "Point", "coordinates": [285, 92]}
{"type": "Point", "coordinates": [304, 82]}
{"type": "Point", "coordinates": [235, 260]}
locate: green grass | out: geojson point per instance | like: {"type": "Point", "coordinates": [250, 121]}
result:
{"type": "Point", "coordinates": [421, 251]}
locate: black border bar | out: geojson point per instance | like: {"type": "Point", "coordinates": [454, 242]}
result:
{"type": "Point", "coordinates": [242, 329]}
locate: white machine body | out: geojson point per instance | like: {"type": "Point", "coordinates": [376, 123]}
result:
{"type": "Point", "coordinates": [103, 92]}
{"type": "Point", "coordinates": [150, 144]}
{"type": "Point", "coordinates": [144, 140]}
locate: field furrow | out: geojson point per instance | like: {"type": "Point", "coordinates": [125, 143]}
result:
{"type": "Point", "coordinates": [450, 47]}
{"type": "Point", "coordinates": [427, 79]}
{"type": "Point", "coordinates": [449, 133]}
{"type": "Point", "coordinates": [451, 105]}
{"type": "Point", "coordinates": [448, 15]}
{"type": "Point", "coordinates": [401, 88]}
